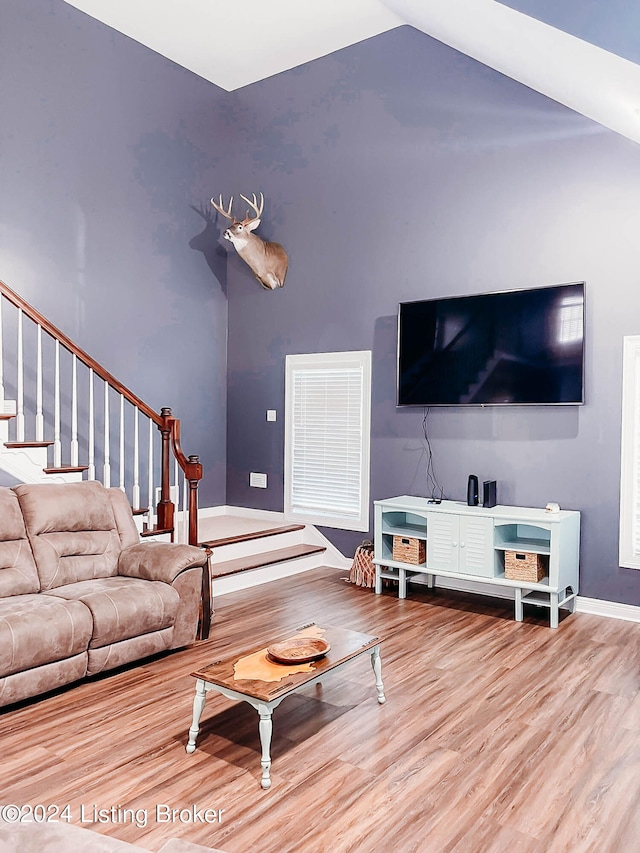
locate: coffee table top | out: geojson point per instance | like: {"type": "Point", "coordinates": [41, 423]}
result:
{"type": "Point", "coordinates": [345, 646]}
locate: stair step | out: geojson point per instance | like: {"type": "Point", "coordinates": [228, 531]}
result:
{"type": "Point", "coordinates": [66, 469]}
{"type": "Point", "coordinates": [267, 558]}
{"type": "Point", "coordinates": [141, 510]}
{"type": "Point", "coordinates": [6, 416]}
{"type": "Point", "coordinates": [252, 534]}
{"type": "Point", "coordinates": [28, 443]}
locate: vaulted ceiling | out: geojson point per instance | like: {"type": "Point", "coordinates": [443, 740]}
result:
{"type": "Point", "coordinates": [584, 54]}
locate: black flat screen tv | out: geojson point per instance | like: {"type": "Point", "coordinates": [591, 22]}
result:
{"type": "Point", "coordinates": [516, 347]}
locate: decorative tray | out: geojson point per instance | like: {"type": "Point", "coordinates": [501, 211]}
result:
{"type": "Point", "coordinates": [298, 650]}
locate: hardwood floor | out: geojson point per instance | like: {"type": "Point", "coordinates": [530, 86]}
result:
{"type": "Point", "coordinates": [495, 736]}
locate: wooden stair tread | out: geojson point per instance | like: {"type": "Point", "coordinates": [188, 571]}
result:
{"type": "Point", "coordinates": [141, 510]}
{"type": "Point", "coordinates": [28, 443]}
{"type": "Point", "coordinates": [66, 469]}
{"type": "Point", "coordinates": [251, 534]}
{"type": "Point", "coordinates": [156, 531]}
{"type": "Point", "coordinates": [266, 558]}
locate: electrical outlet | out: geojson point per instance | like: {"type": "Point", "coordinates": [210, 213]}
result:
{"type": "Point", "coordinates": [259, 481]}
{"type": "Point", "coordinates": [271, 414]}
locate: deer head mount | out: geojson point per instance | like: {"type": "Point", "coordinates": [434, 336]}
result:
{"type": "Point", "coordinates": [267, 260]}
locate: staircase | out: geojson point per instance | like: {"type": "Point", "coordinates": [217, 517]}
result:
{"type": "Point", "coordinates": [256, 548]}
{"type": "Point", "coordinates": [63, 417]}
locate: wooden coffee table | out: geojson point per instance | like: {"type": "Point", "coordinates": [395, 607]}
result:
{"type": "Point", "coordinates": [265, 696]}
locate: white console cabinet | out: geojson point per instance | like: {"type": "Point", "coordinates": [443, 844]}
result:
{"type": "Point", "coordinates": [469, 543]}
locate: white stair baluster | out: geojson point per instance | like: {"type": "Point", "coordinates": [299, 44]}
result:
{"type": "Point", "coordinates": [74, 410]}
{"type": "Point", "coordinates": [150, 513]}
{"type": "Point", "coordinates": [136, 462]}
{"type": "Point", "coordinates": [20, 384]}
{"type": "Point", "coordinates": [39, 415]}
{"type": "Point", "coordinates": [185, 510]}
{"type": "Point", "coordinates": [91, 471]}
{"type": "Point", "coordinates": [121, 444]}
{"type": "Point", "coordinates": [57, 444]}
{"type": "Point", "coordinates": [175, 496]}
{"type": "Point", "coordinates": [106, 471]}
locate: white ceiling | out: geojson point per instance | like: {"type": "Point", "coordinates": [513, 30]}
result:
{"type": "Point", "coordinates": [236, 44]}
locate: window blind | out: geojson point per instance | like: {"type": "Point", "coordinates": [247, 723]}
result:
{"type": "Point", "coordinates": [327, 439]}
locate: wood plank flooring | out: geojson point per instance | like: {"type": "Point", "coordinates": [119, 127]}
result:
{"type": "Point", "coordinates": [495, 736]}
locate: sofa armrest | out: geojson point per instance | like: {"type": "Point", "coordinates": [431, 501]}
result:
{"type": "Point", "coordinates": [159, 561]}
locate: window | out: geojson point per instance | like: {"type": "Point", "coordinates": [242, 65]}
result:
{"type": "Point", "coordinates": [630, 456]}
{"type": "Point", "coordinates": [327, 425]}
{"type": "Point", "coordinates": [570, 325]}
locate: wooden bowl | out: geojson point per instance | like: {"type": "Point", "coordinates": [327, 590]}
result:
{"type": "Point", "coordinates": [298, 650]}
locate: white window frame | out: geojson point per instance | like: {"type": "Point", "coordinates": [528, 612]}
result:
{"type": "Point", "coordinates": [629, 546]}
{"type": "Point", "coordinates": [300, 503]}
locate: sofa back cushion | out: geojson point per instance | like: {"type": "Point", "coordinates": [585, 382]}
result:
{"type": "Point", "coordinates": [72, 531]}
{"type": "Point", "coordinates": [18, 575]}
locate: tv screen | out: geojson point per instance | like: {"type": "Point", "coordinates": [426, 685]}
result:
{"type": "Point", "coordinates": [518, 347]}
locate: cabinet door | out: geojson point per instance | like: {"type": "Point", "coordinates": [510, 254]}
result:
{"type": "Point", "coordinates": [477, 555]}
{"type": "Point", "coordinates": [461, 544]}
{"type": "Point", "coordinates": [442, 541]}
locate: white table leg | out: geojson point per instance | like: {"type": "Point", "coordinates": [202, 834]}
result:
{"type": "Point", "coordinates": [376, 663]}
{"type": "Point", "coordinates": [198, 705]}
{"type": "Point", "coordinates": [555, 610]}
{"type": "Point", "coordinates": [402, 583]}
{"type": "Point", "coordinates": [519, 609]}
{"type": "Point", "coordinates": [378, 586]}
{"type": "Point", "coordinates": [266, 727]}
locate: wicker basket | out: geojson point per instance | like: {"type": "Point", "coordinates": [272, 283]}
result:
{"type": "Point", "coordinates": [523, 566]}
{"type": "Point", "coordinates": [407, 549]}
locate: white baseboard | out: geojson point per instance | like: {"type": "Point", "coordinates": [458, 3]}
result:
{"type": "Point", "coordinates": [609, 609]}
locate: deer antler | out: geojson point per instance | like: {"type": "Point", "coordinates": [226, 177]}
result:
{"type": "Point", "coordinates": [254, 204]}
{"type": "Point", "coordinates": [220, 207]}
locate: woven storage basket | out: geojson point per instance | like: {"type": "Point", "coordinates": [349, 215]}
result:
{"type": "Point", "coordinates": [406, 549]}
{"type": "Point", "coordinates": [523, 566]}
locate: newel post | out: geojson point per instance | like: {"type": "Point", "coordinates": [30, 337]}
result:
{"type": "Point", "coordinates": [166, 509]}
{"type": "Point", "coordinates": [194, 475]}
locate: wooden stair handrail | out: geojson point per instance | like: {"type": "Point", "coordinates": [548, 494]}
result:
{"type": "Point", "coordinates": [86, 359]}
{"type": "Point", "coordinates": [166, 423]}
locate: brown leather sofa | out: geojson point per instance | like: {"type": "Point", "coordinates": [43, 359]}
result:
{"type": "Point", "coordinates": [80, 593]}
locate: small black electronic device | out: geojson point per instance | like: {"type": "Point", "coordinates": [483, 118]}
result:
{"type": "Point", "coordinates": [489, 493]}
{"type": "Point", "coordinates": [472, 490]}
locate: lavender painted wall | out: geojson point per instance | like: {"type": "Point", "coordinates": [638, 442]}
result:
{"type": "Point", "coordinates": [105, 150]}
{"type": "Point", "coordinates": [398, 169]}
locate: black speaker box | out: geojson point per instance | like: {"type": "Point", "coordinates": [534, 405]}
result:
{"type": "Point", "coordinates": [472, 490]}
{"type": "Point", "coordinates": [489, 493]}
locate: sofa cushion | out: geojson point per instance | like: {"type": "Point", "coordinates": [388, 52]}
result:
{"type": "Point", "coordinates": [72, 531]}
{"type": "Point", "coordinates": [40, 629]}
{"type": "Point", "coordinates": [124, 607]}
{"type": "Point", "coordinates": [123, 516]}
{"type": "Point", "coordinates": [18, 574]}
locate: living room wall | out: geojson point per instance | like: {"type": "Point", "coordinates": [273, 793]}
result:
{"type": "Point", "coordinates": [109, 153]}
{"type": "Point", "coordinates": [399, 169]}
{"type": "Point", "coordinates": [396, 169]}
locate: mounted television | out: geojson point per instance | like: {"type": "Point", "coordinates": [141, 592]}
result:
{"type": "Point", "coordinates": [517, 347]}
